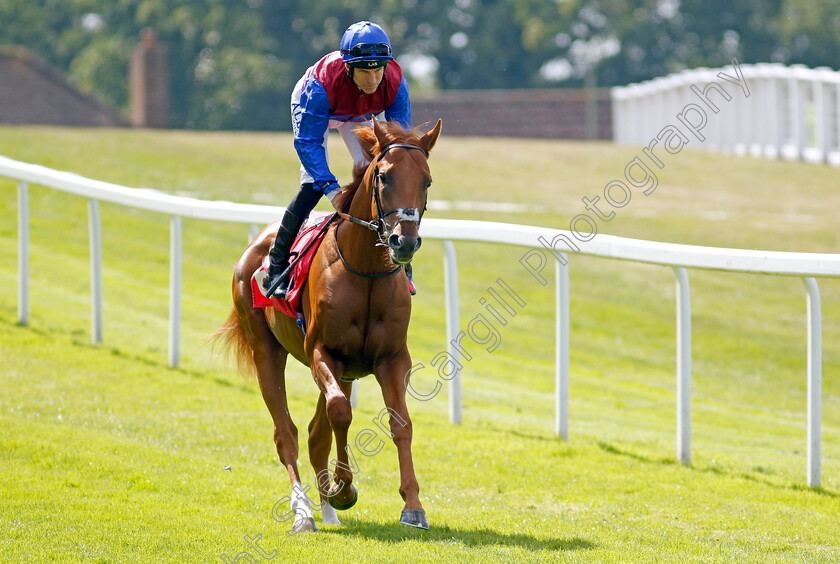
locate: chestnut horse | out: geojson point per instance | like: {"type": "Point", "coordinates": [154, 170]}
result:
{"type": "Point", "coordinates": [356, 304]}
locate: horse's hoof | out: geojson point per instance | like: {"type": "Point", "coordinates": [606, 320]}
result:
{"type": "Point", "coordinates": [328, 516]}
{"type": "Point", "coordinates": [304, 525]}
{"type": "Point", "coordinates": [414, 518]}
{"type": "Point", "coordinates": [343, 506]}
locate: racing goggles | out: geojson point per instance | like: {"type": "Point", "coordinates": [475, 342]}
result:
{"type": "Point", "coordinates": [362, 50]}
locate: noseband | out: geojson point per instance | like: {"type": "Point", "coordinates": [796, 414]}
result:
{"type": "Point", "coordinates": [378, 223]}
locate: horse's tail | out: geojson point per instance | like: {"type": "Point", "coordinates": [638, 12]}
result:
{"type": "Point", "coordinates": [231, 337]}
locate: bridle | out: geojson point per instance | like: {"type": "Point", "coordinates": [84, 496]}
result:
{"type": "Point", "coordinates": [378, 223]}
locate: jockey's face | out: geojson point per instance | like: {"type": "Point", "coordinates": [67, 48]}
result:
{"type": "Point", "coordinates": [368, 79]}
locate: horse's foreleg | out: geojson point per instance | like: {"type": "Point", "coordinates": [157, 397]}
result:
{"type": "Point", "coordinates": [327, 372]}
{"type": "Point", "coordinates": [391, 377]}
{"type": "Point", "coordinates": [320, 442]}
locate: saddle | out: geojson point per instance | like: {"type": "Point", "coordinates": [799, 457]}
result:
{"type": "Point", "coordinates": [300, 257]}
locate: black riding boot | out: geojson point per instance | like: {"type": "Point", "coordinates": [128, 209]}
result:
{"type": "Point", "coordinates": [278, 258]}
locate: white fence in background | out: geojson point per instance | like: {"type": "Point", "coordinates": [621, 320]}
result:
{"type": "Point", "coordinates": [772, 110]}
{"type": "Point", "coordinates": [679, 257]}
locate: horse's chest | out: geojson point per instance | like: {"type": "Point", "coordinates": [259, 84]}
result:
{"type": "Point", "coordinates": [367, 334]}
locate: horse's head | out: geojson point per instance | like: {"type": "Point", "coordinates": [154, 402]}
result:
{"type": "Point", "coordinates": [398, 177]}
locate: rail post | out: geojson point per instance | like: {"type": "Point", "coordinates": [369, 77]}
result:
{"type": "Point", "coordinates": [683, 366]}
{"type": "Point", "coordinates": [453, 322]}
{"type": "Point", "coordinates": [175, 260]}
{"type": "Point", "coordinates": [23, 253]}
{"type": "Point", "coordinates": [561, 361]}
{"type": "Point", "coordinates": [814, 381]}
{"type": "Point", "coordinates": [95, 272]}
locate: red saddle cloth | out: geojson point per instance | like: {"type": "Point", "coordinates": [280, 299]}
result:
{"type": "Point", "coordinates": [310, 233]}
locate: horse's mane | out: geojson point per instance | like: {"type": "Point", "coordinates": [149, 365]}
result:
{"type": "Point", "coordinates": [394, 133]}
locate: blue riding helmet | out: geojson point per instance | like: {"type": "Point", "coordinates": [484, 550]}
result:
{"type": "Point", "coordinates": [366, 45]}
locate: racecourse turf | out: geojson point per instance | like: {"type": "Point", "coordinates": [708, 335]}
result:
{"type": "Point", "coordinates": [109, 455]}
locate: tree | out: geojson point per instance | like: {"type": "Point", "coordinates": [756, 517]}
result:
{"type": "Point", "coordinates": [808, 30]}
{"type": "Point", "coordinates": [233, 63]}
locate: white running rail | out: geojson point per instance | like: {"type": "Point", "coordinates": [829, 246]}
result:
{"type": "Point", "coordinates": [807, 266]}
{"type": "Point", "coordinates": [762, 110]}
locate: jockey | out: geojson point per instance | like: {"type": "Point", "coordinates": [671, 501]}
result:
{"type": "Point", "coordinates": [341, 90]}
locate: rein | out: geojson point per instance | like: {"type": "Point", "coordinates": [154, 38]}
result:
{"type": "Point", "coordinates": [359, 272]}
{"type": "Point", "coordinates": [379, 224]}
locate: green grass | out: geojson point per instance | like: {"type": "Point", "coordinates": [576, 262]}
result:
{"type": "Point", "coordinates": [107, 455]}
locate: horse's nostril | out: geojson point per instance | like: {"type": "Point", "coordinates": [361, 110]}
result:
{"type": "Point", "coordinates": [394, 241]}
{"type": "Point", "coordinates": [418, 243]}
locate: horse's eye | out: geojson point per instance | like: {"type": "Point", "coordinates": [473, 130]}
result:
{"type": "Point", "coordinates": [428, 183]}
{"type": "Point", "coordinates": [383, 178]}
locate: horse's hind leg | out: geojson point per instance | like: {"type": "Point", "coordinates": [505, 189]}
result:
{"type": "Point", "coordinates": [270, 361]}
{"type": "Point", "coordinates": [273, 388]}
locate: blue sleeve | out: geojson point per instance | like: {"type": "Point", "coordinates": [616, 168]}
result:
{"type": "Point", "coordinates": [311, 130]}
{"type": "Point", "coordinates": [400, 108]}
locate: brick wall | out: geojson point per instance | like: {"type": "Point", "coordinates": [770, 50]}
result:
{"type": "Point", "coordinates": [558, 113]}
{"type": "Point", "coordinates": [32, 92]}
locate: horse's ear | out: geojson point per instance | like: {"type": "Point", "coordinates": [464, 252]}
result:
{"type": "Point", "coordinates": [366, 140]}
{"type": "Point", "coordinates": [428, 141]}
{"type": "Point", "coordinates": [381, 136]}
